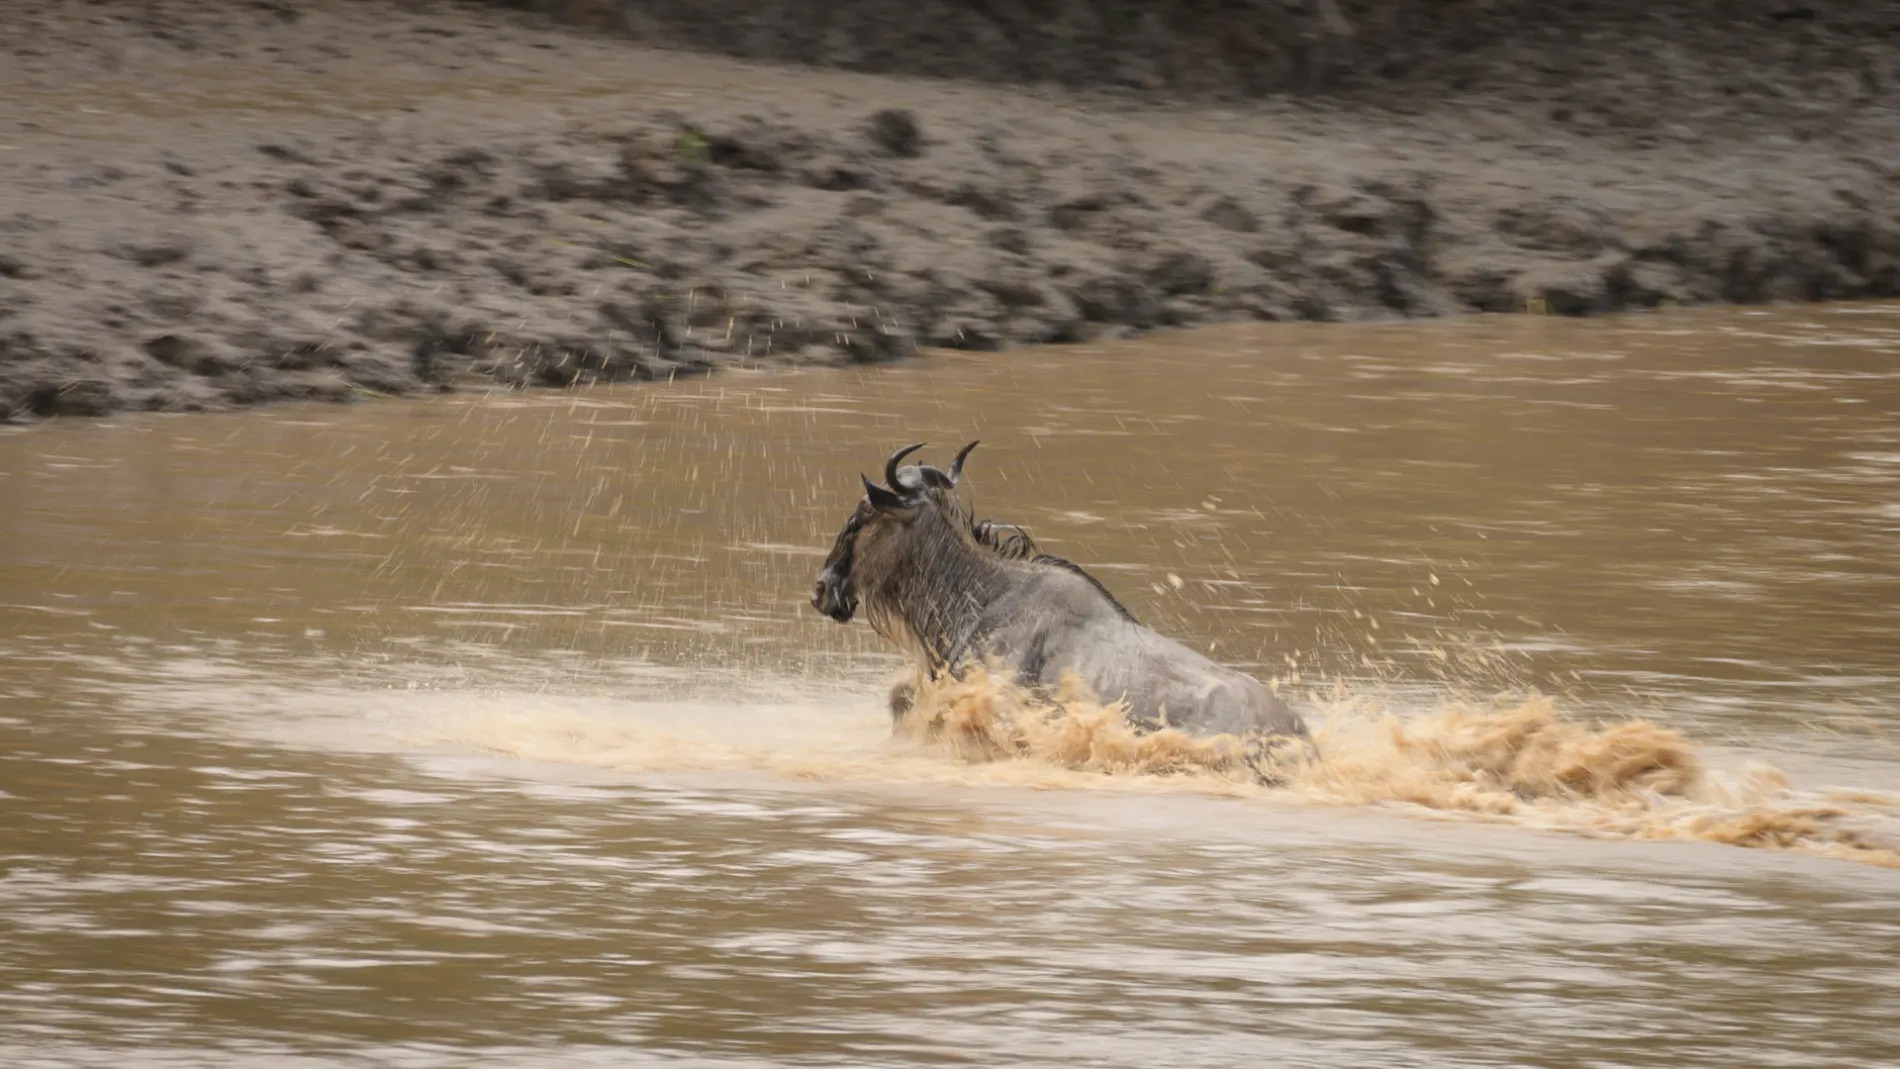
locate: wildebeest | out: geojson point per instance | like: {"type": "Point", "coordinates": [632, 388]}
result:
{"type": "Point", "coordinates": [951, 590]}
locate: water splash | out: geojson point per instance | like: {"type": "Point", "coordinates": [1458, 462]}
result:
{"type": "Point", "coordinates": [1519, 760]}
{"type": "Point", "coordinates": [1513, 760]}
{"type": "Point", "coordinates": [979, 718]}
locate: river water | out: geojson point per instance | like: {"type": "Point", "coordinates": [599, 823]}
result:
{"type": "Point", "coordinates": [497, 730]}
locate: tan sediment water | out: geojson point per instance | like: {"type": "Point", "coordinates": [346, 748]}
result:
{"type": "Point", "coordinates": [497, 730]}
{"type": "Point", "coordinates": [1506, 761]}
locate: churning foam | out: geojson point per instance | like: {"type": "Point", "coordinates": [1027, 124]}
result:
{"type": "Point", "coordinates": [1518, 761]}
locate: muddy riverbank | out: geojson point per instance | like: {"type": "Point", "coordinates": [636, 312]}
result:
{"type": "Point", "coordinates": [219, 204]}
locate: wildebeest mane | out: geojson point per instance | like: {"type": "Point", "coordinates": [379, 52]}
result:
{"type": "Point", "coordinates": [1011, 542]}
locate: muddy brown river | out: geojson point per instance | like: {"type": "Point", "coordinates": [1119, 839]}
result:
{"type": "Point", "coordinates": [496, 730]}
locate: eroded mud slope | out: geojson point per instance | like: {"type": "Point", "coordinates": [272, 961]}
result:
{"type": "Point", "coordinates": [218, 205]}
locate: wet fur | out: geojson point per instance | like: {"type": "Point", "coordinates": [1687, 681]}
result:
{"type": "Point", "coordinates": [1017, 545]}
{"type": "Point", "coordinates": [949, 589]}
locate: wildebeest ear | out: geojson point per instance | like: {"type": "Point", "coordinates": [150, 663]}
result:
{"type": "Point", "coordinates": [884, 500]}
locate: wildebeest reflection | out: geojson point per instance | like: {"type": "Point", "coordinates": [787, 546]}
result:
{"type": "Point", "coordinates": [951, 590]}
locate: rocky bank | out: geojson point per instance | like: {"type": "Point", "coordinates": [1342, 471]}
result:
{"type": "Point", "coordinates": [236, 203]}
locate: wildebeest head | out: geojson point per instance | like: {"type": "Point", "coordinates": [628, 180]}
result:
{"type": "Point", "coordinates": [882, 518]}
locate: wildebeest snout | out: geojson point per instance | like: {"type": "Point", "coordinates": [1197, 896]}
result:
{"type": "Point", "coordinates": [830, 597]}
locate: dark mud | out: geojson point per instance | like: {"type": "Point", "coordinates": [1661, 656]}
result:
{"type": "Point", "coordinates": [232, 204]}
{"type": "Point", "coordinates": [1630, 63]}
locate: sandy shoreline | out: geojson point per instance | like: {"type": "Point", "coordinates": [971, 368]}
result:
{"type": "Point", "coordinates": [213, 206]}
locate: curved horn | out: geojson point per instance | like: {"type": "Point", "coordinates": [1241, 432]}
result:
{"type": "Point", "coordinates": [956, 466]}
{"type": "Point", "coordinates": [890, 466]}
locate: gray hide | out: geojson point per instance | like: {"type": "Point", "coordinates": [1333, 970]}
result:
{"type": "Point", "coordinates": [949, 591]}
